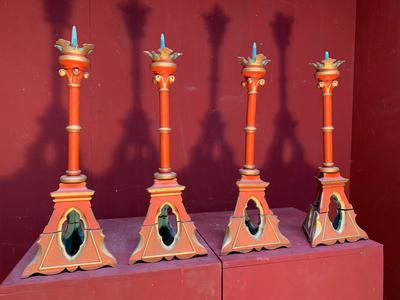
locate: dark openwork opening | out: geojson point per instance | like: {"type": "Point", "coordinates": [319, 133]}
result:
{"type": "Point", "coordinates": [167, 225]}
{"type": "Point", "coordinates": [252, 216]}
{"type": "Point", "coordinates": [335, 213]}
{"type": "Point", "coordinates": [73, 235]}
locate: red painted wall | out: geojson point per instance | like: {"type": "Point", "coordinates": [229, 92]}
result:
{"type": "Point", "coordinates": [376, 143]}
{"type": "Point", "coordinates": [120, 107]}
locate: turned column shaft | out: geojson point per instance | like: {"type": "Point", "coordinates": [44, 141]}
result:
{"type": "Point", "coordinates": [73, 130]}
{"type": "Point", "coordinates": [250, 129]}
{"type": "Point", "coordinates": [327, 130]}
{"type": "Point", "coordinates": [165, 162]}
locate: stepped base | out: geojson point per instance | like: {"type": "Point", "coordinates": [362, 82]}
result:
{"type": "Point", "coordinates": [183, 243]}
{"type": "Point", "coordinates": [242, 237]}
{"type": "Point", "coordinates": [52, 256]}
{"type": "Point", "coordinates": [319, 228]}
{"type": "Point", "coordinates": [317, 225]}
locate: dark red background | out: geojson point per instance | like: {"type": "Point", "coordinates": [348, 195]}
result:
{"type": "Point", "coordinates": [375, 144]}
{"type": "Point", "coordinates": [120, 107]}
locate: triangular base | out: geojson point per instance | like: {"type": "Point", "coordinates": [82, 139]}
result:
{"type": "Point", "coordinates": [52, 256]}
{"type": "Point", "coordinates": [184, 243]}
{"type": "Point", "coordinates": [238, 237]}
{"type": "Point", "coordinates": [317, 225]}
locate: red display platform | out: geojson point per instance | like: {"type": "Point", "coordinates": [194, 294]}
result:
{"type": "Point", "coordinates": [196, 278]}
{"type": "Point", "coordinates": [342, 271]}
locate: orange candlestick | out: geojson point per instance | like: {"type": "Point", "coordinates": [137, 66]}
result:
{"type": "Point", "coordinates": [242, 235]}
{"type": "Point", "coordinates": [163, 68]}
{"type": "Point", "coordinates": [318, 226]}
{"type": "Point", "coordinates": [74, 63]}
{"type": "Point", "coordinates": [158, 238]}
{"type": "Point", "coordinates": [72, 238]}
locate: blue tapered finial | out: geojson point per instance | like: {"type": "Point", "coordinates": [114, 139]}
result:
{"type": "Point", "coordinates": [326, 56]}
{"type": "Point", "coordinates": [254, 52]}
{"type": "Point", "coordinates": [74, 37]}
{"type": "Point", "coordinates": [162, 41]}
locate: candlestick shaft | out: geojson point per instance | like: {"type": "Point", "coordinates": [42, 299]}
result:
{"type": "Point", "coordinates": [165, 162]}
{"type": "Point", "coordinates": [73, 130]}
{"type": "Point", "coordinates": [328, 131]}
{"type": "Point", "coordinates": [250, 130]}
{"type": "Point", "coordinates": [326, 73]}
{"type": "Point", "coordinates": [253, 79]}
{"type": "Point", "coordinates": [163, 78]}
{"type": "Point", "coordinates": [327, 85]}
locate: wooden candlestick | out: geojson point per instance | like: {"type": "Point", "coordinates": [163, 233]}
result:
{"type": "Point", "coordinates": [318, 227]}
{"type": "Point", "coordinates": [81, 243]}
{"type": "Point", "coordinates": [241, 235]}
{"type": "Point", "coordinates": [158, 238]}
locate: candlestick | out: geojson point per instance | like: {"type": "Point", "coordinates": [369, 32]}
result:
{"type": "Point", "coordinates": [318, 227]}
{"type": "Point", "coordinates": [73, 238]}
{"type": "Point", "coordinates": [241, 235]}
{"type": "Point", "coordinates": [165, 193]}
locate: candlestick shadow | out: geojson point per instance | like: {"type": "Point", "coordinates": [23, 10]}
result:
{"type": "Point", "coordinates": [26, 194]}
{"type": "Point", "coordinates": [135, 158]}
{"type": "Point", "coordinates": [211, 166]}
{"type": "Point", "coordinates": [289, 174]}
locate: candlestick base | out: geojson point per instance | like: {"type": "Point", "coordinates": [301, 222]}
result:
{"type": "Point", "coordinates": [241, 235]}
{"type": "Point", "coordinates": [73, 238]}
{"type": "Point", "coordinates": [158, 239]}
{"type": "Point", "coordinates": [318, 226]}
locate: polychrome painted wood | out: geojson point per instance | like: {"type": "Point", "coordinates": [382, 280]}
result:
{"type": "Point", "coordinates": [166, 192]}
{"type": "Point", "coordinates": [73, 197]}
{"type": "Point", "coordinates": [239, 236]}
{"type": "Point", "coordinates": [317, 225]}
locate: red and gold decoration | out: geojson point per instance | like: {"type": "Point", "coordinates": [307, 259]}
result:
{"type": "Point", "coordinates": [341, 227]}
{"type": "Point", "coordinates": [242, 235]}
{"type": "Point", "coordinates": [73, 238]}
{"type": "Point", "coordinates": [158, 239]}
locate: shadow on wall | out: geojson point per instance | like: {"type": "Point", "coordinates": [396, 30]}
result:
{"type": "Point", "coordinates": [285, 165]}
{"type": "Point", "coordinates": [23, 216]}
{"type": "Point", "coordinates": [211, 158]}
{"type": "Point", "coordinates": [136, 156]}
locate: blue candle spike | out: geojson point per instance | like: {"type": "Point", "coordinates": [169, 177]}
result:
{"type": "Point", "coordinates": [326, 55]}
{"type": "Point", "coordinates": [162, 41]}
{"type": "Point", "coordinates": [74, 37]}
{"type": "Point", "coordinates": [254, 51]}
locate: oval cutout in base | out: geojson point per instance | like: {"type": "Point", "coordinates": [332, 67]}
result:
{"type": "Point", "coordinates": [73, 235]}
{"type": "Point", "coordinates": [252, 217]}
{"type": "Point", "coordinates": [167, 225]}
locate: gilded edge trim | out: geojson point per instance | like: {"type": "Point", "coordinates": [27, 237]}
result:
{"type": "Point", "coordinates": [163, 64]}
{"type": "Point", "coordinates": [327, 128]}
{"type": "Point", "coordinates": [164, 129]}
{"type": "Point", "coordinates": [73, 57]}
{"type": "Point", "coordinates": [250, 129]}
{"type": "Point", "coordinates": [73, 128]}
